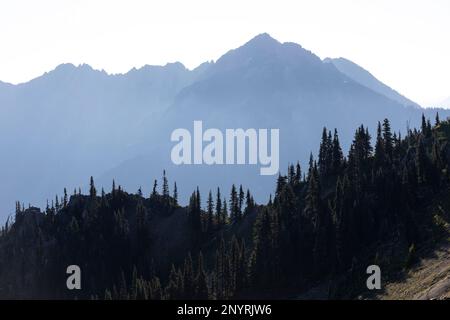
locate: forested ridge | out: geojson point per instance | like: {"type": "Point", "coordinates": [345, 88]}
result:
{"type": "Point", "coordinates": [324, 224]}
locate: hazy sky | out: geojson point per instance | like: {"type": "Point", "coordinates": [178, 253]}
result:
{"type": "Point", "coordinates": [405, 43]}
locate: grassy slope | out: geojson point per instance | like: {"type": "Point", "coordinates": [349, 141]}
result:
{"type": "Point", "coordinates": [428, 279]}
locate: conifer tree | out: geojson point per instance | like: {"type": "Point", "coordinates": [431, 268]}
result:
{"type": "Point", "coordinates": [92, 190]}
{"type": "Point", "coordinates": [175, 194]}
{"type": "Point", "coordinates": [198, 202]}
{"type": "Point", "coordinates": [421, 162]}
{"type": "Point", "coordinates": [291, 174]}
{"type": "Point", "coordinates": [210, 212]}
{"type": "Point", "coordinates": [188, 276]}
{"type": "Point", "coordinates": [65, 201]}
{"type": "Point", "coordinates": [220, 222]}
{"type": "Point", "coordinates": [337, 155]}
{"type": "Point", "coordinates": [345, 223]}
{"type": "Point", "coordinates": [57, 207]}
{"type": "Point", "coordinates": [220, 278]}
{"type": "Point", "coordinates": [201, 289]}
{"type": "Point", "coordinates": [424, 125]}
{"type": "Point", "coordinates": [241, 201]}
{"type": "Point", "coordinates": [310, 166]}
{"type": "Point", "coordinates": [234, 205]}
{"type": "Point", "coordinates": [428, 128]}
{"type": "Point", "coordinates": [261, 258]}
{"type": "Point", "coordinates": [195, 218]}
{"type": "Point", "coordinates": [154, 190]}
{"type": "Point", "coordinates": [237, 266]}
{"type": "Point", "coordinates": [298, 174]}
{"type": "Point", "coordinates": [387, 137]}
{"type": "Point", "coordinates": [325, 153]}
{"type": "Point", "coordinates": [379, 149]}
{"type": "Point", "coordinates": [224, 211]}
{"type": "Point", "coordinates": [165, 186]}
{"type": "Point", "coordinates": [175, 287]}
{"type": "Point", "coordinates": [141, 221]}
{"type": "Point", "coordinates": [249, 202]}
{"type": "Point", "coordinates": [312, 205]}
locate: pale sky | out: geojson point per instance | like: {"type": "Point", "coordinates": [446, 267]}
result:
{"type": "Point", "coordinates": [404, 43]}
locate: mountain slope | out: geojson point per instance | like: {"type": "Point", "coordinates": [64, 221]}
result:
{"type": "Point", "coordinates": [75, 122]}
{"type": "Point", "coordinates": [387, 207]}
{"type": "Point", "coordinates": [429, 280]}
{"type": "Point", "coordinates": [264, 84]}
{"type": "Point", "coordinates": [362, 76]}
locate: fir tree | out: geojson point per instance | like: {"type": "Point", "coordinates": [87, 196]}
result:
{"type": "Point", "coordinates": [424, 125]}
{"type": "Point", "coordinates": [92, 190]}
{"type": "Point", "coordinates": [234, 205]}
{"type": "Point", "coordinates": [175, 194]}
{"type": "Point", "coordinates": [241, 201]}
{"type": "Point", "coordinates": [387, 137]}
{"type": "Point", "coordinates": [220, 222]}
{"type": "Point", "coordinates": [337, 155]}
{"type": "Point", "coordinates": [379, 149]}
{"type": "Point", "coordinates": [201, 289]}
{"type": "Point", "coordinates": [165, 187]}
{"type": "Point", "coordinates": [188, 276]}
{"type": "Point", "coordinates": [65, 200]}
{"type": "Point", "coordinates": [210, 212]}
{"type": "Point", "coordinates": [154, 190]}
{"type": "Point", "coordinates": [224, 211]}
{"type": "Point", "coordinates": [195, 218]}
{"type": "Point", "coordinates": [298, 174]}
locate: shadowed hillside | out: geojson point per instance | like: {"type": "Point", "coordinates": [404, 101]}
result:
{"type": "Point", "coordinates": [381, 204]}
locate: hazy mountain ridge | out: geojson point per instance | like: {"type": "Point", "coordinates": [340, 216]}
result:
{"type": "Point", "coordinates": [264, 84]}
{"type": "Point", "coordinates": [75, 122]}
{"type": "Point", "coordinates": [364, 77]}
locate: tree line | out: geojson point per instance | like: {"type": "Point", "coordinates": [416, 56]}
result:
{"type": "Point", "coordinates": [324, 224]}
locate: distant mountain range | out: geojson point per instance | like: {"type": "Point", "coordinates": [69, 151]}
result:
{"type": "Point", "coordinates": [74, 122]}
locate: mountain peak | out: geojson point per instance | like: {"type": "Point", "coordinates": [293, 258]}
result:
{"type": "Point", "coordinates": [175, 65]}
{"type": "Point", "coordinates": [65, 67]}
{"type": "Point", "coordinates": [262, 39]}
{"type": "Point", "coordinates": [263, 36]}
{"type": "Point", "coordinates": [70, 67]}
{"type": "Point", "coordinates": [65, 71]}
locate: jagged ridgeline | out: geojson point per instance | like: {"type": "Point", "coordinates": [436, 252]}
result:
{"type": "Point", "coordinates": [324, 224]}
